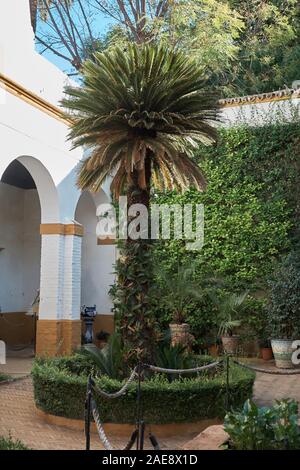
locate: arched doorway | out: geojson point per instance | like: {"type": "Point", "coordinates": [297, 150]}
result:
{"type": "Point", "coordinates": [97, 262]}
{"type": "Point", "coordinates": [27, 198]}
{"type": "Point", "coordinates": [20, 244]}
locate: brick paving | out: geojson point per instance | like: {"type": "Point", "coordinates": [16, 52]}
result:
{"type": "Point", "coordinates": [18, 416]}
{"type": "Point", "coordinates": [19, 419]}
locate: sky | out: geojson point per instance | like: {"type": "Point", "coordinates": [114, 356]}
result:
{"type": "Point", "coordinates": [100, 26]}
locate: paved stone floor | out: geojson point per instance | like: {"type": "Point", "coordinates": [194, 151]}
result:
{"type": "Point", "coordinates": [19, 419]}
{"type": "Point", "coordinates": [18, 363]}
{"type": "Point", "coordinates": [18, 416]}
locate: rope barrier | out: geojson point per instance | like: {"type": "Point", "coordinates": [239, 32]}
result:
{"type": "Point", "coordinates": [138, 434]}
{"type": "Point", "coordinates": [267, 371]}
{"type": "Point", "coordinates": [184, 371]}
{"type": "Point", "coordinates": [107, 445]}
{"type": "Point", "coordinates": [118, 394]}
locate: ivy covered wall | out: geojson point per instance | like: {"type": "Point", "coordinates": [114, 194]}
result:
{"type": "Point", "coordinates": [252, 207]}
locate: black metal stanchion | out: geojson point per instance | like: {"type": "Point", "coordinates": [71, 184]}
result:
{"type": "Point", "coordinates": [142, 435]}
{"type": "Point", "coordinates": [88, 414]}
{"type": "Point", "coordinates": [140, 423]}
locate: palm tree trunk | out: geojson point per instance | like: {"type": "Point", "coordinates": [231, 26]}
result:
{"type": "Point", "coordinates": [137, 323]}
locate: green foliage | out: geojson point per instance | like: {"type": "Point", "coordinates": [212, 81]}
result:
{"type": "Point", "coordinates": [228, 308]}
{"type": "Point", "coordinates": [245, 46]}
{"type": "Point", "coordinates": [268, 57]}
{"type": "Point", "coordinates": [7, 443]}
{"type": "Point", "coordinates": [4, 377]}
{"type": "Point", "coordinates": [205, 29]}
{"type": "Point", "coordinates": [251, 216]}
{"type": "Point", "coordinates": [109, 359]}
{"type": "Point", "coordinates": [257, 428]}
{"type": "Point", "coordinates": [172, 357]}
{"type": "Point", "coordinates": [284, 309]}
{"type": "Point", "coordinates": [134, 316]}
{"type": "Point", "coordinates": [177, 291]}
{"type": "Point", "coordinates": [60, 392]}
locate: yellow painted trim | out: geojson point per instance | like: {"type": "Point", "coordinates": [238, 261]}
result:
{"type": "Point", "coordinates": [257, 101]}
{"type": "Point", "coordinates": [61, 229]}
{"type": "Point", "coordinates": [52, 229]}
{"type": "Point", "coordinates": [31, 98]}
{"type": "Point", "coordinates": [74, 229]}
{"type": "Point", "coordinates": [105, 242]}
{"type": "Point", "coordinates": [161, 430]}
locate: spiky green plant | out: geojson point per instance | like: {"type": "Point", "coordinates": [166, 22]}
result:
{"type": "Point", "coordinates": [109, 359]}
{"type": "Point", "coordinates": [142, 112]}
{"type": "Point", "coordinates": [228, 309]}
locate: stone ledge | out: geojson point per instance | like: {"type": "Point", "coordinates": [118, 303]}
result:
{"type": "Point", "coordinates": [160, 430]}
{"type": "Point", "coordinates": [211, 438]}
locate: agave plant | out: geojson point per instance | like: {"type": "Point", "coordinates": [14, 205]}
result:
{"type": "Point", "coordinates": [109, 359]}
{"type": "Point", "coordinates": [142, 112]}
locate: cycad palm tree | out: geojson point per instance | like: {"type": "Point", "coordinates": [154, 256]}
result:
{"type": "Point", "coordinates": [142, 112]}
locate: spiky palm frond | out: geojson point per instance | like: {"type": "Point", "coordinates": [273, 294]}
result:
{"type": "Point", "coordinates": [146, 101]}
{"type": "Point", "coordinates": [228, 309]}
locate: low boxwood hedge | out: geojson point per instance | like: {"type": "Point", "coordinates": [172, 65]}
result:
{"type": "Point", "coordinates": [60, 388]}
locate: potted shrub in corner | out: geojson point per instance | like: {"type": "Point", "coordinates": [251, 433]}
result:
{"type": "Point", "coordinates": [178, 293]}
{"type": "Point", "coordinates": [284, 310]}
{"type": "Point", "coordinates": [265, 349]}
{"type": "Point", "coordinates": [228, 309]}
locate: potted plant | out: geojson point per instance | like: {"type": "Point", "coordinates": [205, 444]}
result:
{"type": "Point", "coordinates": [178, 293]}
{"type": "Point", "coordinates": [284, 310]}
{"type": "Point", "coordinates": [265, 349]}
{"type": "Point", "coordinates": [228, 308]}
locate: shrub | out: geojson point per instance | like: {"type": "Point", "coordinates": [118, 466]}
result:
{"type": "Point", "coordinates": [7, 443]}
{"type": "Point", "coordinates": [4, 377]}
{"type": "Point", "coordinates": [256, 428]}
{"type": "Point", "coordinates": [284, 310]}
{"type": "Point", "coordinates": [60, 392]}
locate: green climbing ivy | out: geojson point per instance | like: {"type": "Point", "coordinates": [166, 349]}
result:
{"type": "Point", "coordinates": [251, 211]}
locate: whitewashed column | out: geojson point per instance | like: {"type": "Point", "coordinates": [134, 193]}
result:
{"type": "Point", "coordinates": [72, 278]}
{"type": "Point", "coordinates": [52, 274]}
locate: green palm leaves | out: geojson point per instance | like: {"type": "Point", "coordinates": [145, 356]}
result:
{"type": "Point", "coordinates": [145, 102]}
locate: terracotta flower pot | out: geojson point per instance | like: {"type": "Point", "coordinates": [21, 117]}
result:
{"type": "Point", "coordinates": [266, 354]}
{"type": "Point", "coordinates": [213, 350]}
{"type": "Point", "coordinates": [230, 343]}
{"type": "Point", "coordinates": [180, 334]}
{"type": "Point", "coordinates": [282, 350]}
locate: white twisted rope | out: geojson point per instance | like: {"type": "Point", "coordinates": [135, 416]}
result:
{"type": "Point", "coordinates": [121, 392]}
{"type": "Point", "coordinates": [184, 371]}
{"type": "Point", "coordinates": [268, 371]}
{"type": "Point", "coordinates": [103, 438]}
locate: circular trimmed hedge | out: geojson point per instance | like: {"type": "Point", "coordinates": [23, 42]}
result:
{"type": "Point", "coordinates": [60, 388]}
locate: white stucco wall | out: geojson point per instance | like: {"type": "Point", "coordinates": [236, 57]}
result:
{"type": "Point", "coordinates": [97, 261]}
{"type": "Point", "coordinates": [32, 246]}
{"type": "Point", "coordinates": [20, 258]}
{"type": "Point", "coordinates": [260, 114]}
